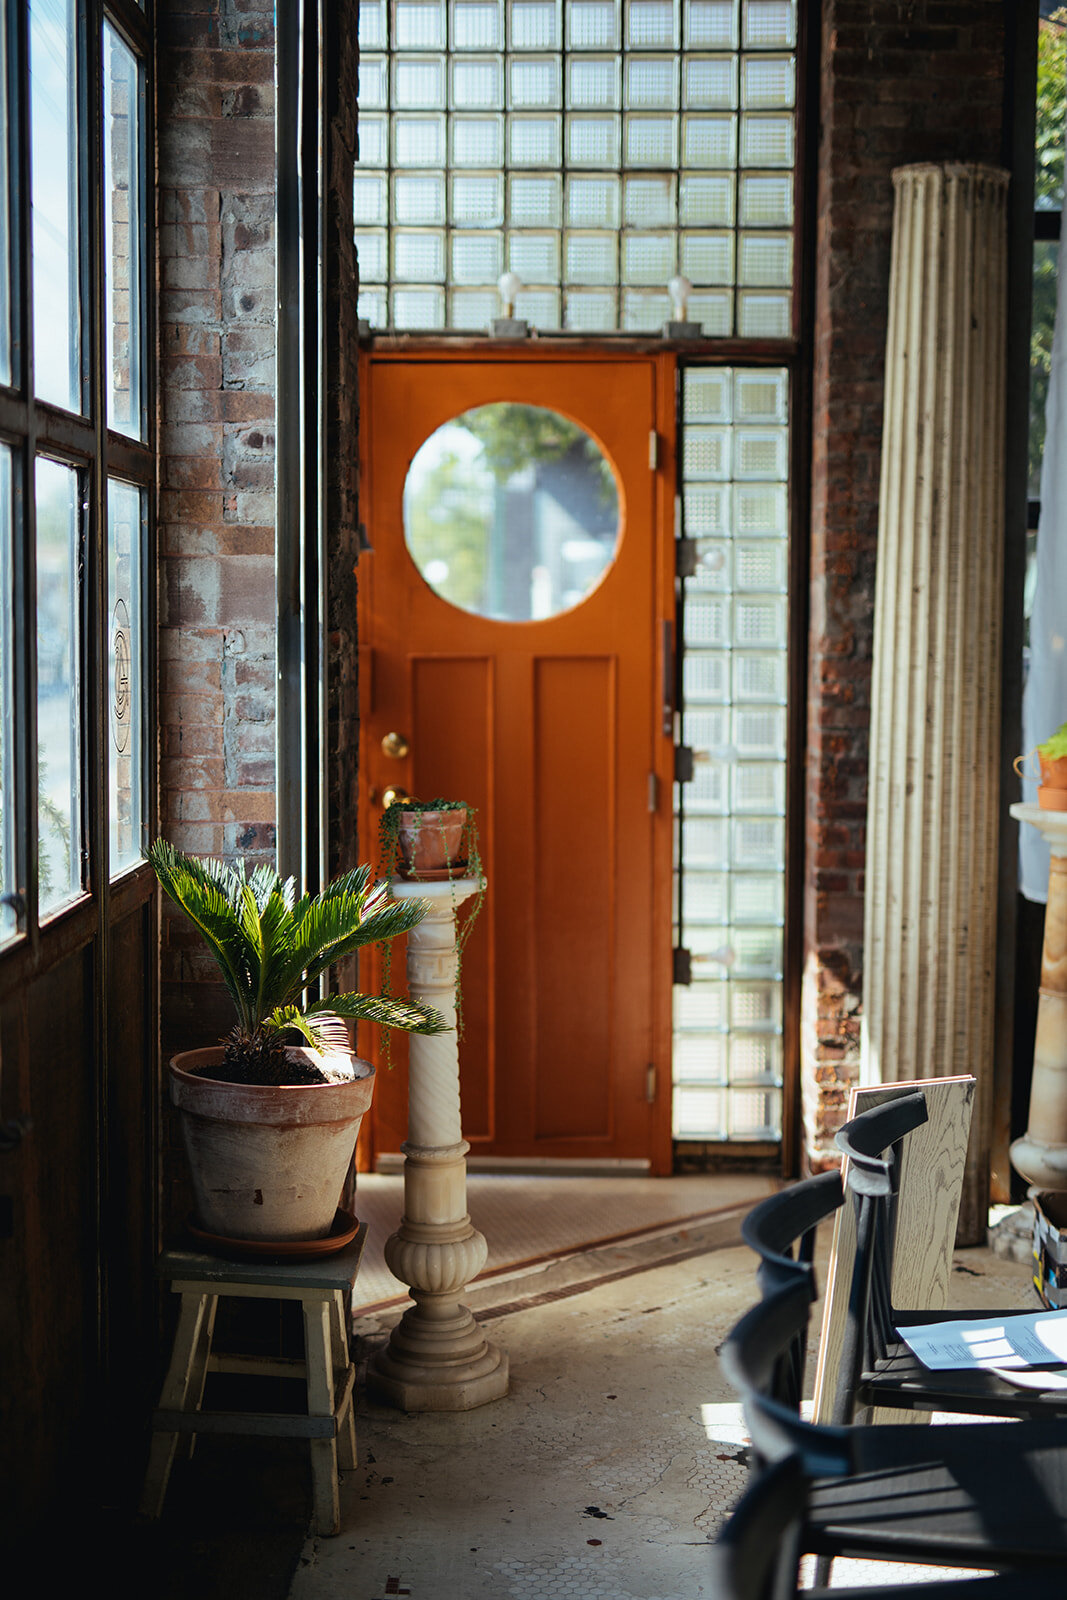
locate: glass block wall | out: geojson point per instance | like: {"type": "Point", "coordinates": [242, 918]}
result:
{"type": "Point", "coordinates": [730, 883]}
{"type": "Point", "coordinates": [596, 148]}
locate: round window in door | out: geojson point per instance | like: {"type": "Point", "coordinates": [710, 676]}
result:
{"type": "Point", "coordinates": [511, 512]}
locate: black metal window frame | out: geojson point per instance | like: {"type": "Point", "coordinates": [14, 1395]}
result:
{"type": "Point", "coordinates": [33, 429]}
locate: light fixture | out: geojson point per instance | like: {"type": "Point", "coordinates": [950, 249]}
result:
{"type": "Point", "coordinates": [508, 325]}
{"type": "Point", "coordinates": [679, 326]}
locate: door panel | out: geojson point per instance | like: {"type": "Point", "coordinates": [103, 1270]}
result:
{"type": "Point", "coordinates": [553, 729]}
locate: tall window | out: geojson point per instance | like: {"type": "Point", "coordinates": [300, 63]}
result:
{"type": "Point", "coordinates": [595, 148]}
{"type": "Point", "coordinates": [76, 463]}
{"type": "Point", "coordinates": [729, 877]}
{"type": "Point", "coordinates": [1051, 127]}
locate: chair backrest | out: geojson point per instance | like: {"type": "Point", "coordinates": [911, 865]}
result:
{"type": "Point", "coordinates": [757, 1553]}
{"type": "Point", "coordinates": [781, 1230]}
{"type": "Point", "coordinates": [872, 1143]}
{"type": "Point", "coordinates": [759, 1360]}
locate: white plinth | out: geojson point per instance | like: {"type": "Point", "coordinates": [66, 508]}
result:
{"type": "Point", "coordinates": [1041, 1154]}
{"type": "Point", "coordinates": [436, 1358]}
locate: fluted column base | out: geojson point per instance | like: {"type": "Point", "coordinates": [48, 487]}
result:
{"type": "Point", "coordinates": [437, 1358]}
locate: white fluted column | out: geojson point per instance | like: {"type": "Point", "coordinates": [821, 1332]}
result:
{"type": "Point", "coordinates": [437, 1358]}
{"type": "Point", "coordinates": [933, 795]}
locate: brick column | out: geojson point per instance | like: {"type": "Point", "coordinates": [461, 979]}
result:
{"type": "Point", "coordinates": [216, 506]}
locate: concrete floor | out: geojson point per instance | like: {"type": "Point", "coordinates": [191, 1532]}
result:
{"type": "Point", "coordinates": [610, 1464]}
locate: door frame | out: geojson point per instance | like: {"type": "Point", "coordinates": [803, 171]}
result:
{"type": "Point", "coordinates": [664, 368]}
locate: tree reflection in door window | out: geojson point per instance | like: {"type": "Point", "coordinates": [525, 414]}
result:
{"type": "Point", "coordinates": [512, 512]}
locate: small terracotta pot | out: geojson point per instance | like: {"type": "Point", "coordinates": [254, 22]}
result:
{"type": "Point", "coordinates": [1050, 799]}
{"type": "Point", "coordinates": [267, 1162]}
{"type": "Point", "coordinates": [1053, 774]}
{"type": "Point", "coordinates": [431, 842]}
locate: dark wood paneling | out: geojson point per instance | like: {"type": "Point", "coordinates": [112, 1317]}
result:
{"type": "Point", "coordinates": [48, 1310]}
{"type": "Point", "coordinates": [129, 1209]}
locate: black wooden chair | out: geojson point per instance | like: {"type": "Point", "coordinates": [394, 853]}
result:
{"type": "Point", "coordinates": [757, 1553]}
{"type": "Point", "coordinates": [884, 1371]}
{"type": "Point", "coordinates": [781, 1229]}
{"type": "Point", "coordinates": [983, 1495]}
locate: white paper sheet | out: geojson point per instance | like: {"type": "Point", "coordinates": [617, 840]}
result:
{"type": "Point", "coordinates": [1030, 1339]}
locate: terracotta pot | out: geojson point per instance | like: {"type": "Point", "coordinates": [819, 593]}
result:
{"type": "Point", "coordinates": [1053, 773]}
{"type": "Point", "coordinates": [267, 1162]}
{"type": "Point", "coordinates": [1050, 799]}
{"type": "Point", "coordinates": [431, 842]}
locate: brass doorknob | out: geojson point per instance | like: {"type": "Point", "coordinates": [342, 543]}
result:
{"type": "Point", "coordinates": [395, 745]}
{"type": "Point", "coordinates": [391, 795]}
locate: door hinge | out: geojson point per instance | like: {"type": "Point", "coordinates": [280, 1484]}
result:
{"type": "Point", "coordinates": [653, 451]}
{"type": "Point", "coordinates": [685, 557]}
{"type": "Point", "coordinates": [650, 1082]}
{"type": "Point", "coordinates": [684, 761]}
{"type": "Point", "coordinates": [683, 965]}
{"type": "Point", "coordinates": [653, 792]}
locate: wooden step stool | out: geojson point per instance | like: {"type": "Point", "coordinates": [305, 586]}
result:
{"type": "Point", "coordinates": [323, 1285]}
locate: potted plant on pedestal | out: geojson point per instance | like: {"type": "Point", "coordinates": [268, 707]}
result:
{"type": "Point", "coordinates": [1052, 762]}
{"type": "Point", "coordinates": [270, 1117]}
{"type": "Point", "coordinates": [434, 841]}
{"type": "Point", "coordinates": [428, 840]}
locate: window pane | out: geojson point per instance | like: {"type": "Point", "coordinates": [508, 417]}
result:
{"type": "Point", "coordinates": [1043, 322]}
{"type": "Point", "coordinates": [668, 107]}
{"type": "Point", "coordinates": [54, 201]}
{"type": "Point", "coordinates": [125, 675]}
{"type": "Point", "coordinates": [58, 699]}
{"type": "Point", "coordinates": [729, 884]}
{"type": "Point", "coordinates": [122, 230]}
{"type": "Point", "coordinates": [1051, 118]}
{"type": "Point", "coordinates": [512, 512]}
{"type": "Point", "coordinates": [8, 868]}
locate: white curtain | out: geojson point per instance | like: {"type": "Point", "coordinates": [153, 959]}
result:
{"type": "Point", "coordinates": [1045, 694]}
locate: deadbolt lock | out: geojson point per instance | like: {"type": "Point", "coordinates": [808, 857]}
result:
{"type": "Point", "coordinates": [395, 745]}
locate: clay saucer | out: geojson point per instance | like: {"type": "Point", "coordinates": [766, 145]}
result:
{"type": "Point", "coordinates": [343, 1231]}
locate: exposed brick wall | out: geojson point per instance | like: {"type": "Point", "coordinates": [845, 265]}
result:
{"type": "Point", "coordinates": [900, 83]}
{"type": "Point", "coordinates": [216, 508]}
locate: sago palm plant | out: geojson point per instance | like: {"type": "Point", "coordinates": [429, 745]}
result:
{"type": "Point", "coordinates": [269, 947]}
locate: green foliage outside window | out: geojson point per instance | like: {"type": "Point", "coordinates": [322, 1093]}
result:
{"type": "Point", "coordinates": [1048, 196]}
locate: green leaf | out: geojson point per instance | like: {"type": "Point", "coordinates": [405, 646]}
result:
{"type": "Point", "coordinates": [384, 1009]}
{"type": "Point", "coordinates": [269, 946]}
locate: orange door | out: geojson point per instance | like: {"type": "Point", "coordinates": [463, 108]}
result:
{"type": "Point", "coordinates": [556, 730]}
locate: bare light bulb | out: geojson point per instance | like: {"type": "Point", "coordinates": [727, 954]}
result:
{"type": "Point", "coordinates": [679, 290]}
{"type": "Point", "coordinates": [508, 285]}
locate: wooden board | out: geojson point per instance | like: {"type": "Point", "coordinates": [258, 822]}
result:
{"type": "Point", "coordinates": [931, 1182]}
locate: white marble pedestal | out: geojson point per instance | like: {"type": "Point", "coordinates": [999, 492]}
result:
{"type": "Point", "coordinates": [1041, 1154]}
{"type": "Point", "coordinates": [437, 1358]}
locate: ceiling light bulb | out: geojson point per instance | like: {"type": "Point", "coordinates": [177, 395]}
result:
{"type": "Point", "coordinates": [509, 284]}
{"type": "Point", "coordinates": [679, 290]}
